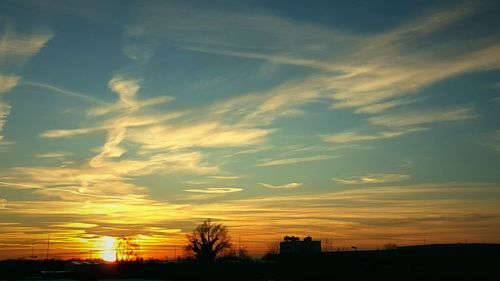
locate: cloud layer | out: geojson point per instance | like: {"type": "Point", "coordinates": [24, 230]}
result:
{"type": "Point", "coordinates": [372, 178]}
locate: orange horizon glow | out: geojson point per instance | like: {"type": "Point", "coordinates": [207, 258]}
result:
{"type": "Point", "coordinates": [104, 248]}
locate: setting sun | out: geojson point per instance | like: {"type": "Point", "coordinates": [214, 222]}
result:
{"type": "Point", "coordinates": [108, 252]}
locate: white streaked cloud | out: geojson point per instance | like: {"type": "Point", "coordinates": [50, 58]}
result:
{"type": "Point", "coordinates": [282, 186]}
{"type": "Point", "coordinates": [64, 92]}
{"type": "Point", "coordinates": [21, 46]}
{"type": "Point", "coordinates": [153, 135]}
{"type": "Point", "coordinates": [491, 140]}
{"type": "Point", "coordinates": [203, 29]}
{"type": "Point", "coordinates": [424, 25]}
{"type": "Point", "coordinates": [392, 77]}
{"type": "Point", "coordinates": [78, 225]}
{"type": "Point", "coordinates": [383, 106]}
{"type": "Point", "coordinates": [215, 190]}
{"type": "Point", "coordinates": [127, 121]}
{"type": "Point", "coordinates": [7, 82]}
{"type": "Point", "coordinates": [370, 73]}
{"type": "Point", "coordinates": [373, 178]}
{"type": "Point", "coordinates": [272, 58]}
{"type": "Point", "coordinates": [109, 179]}
{"type": "Point", "coordinates": [400, 124]}
{"type": "Point", "coordinates": [295, 160]}
{"type": "Point", "coordinates": [55, 154]}
{"type": "Point", "coordinates": [136, 46]}
{"type": "Point", "coordinates": [376, 73]}
{"type": "Point", "coordinates": [224, 177]}
{"type": "Point", "coordinates": [190, 182]}
{"type": "Point", "coordinates": [69, 132]}
{"type": "Point", "coordinates": [4, 112]}
{"type": "Point", "coordinates": [15, 49]}
{"type": "Point", "coordinates": [127, 88]}
{"type": "Point", "coordinates": [97, 111]}
{"type": "Point", "coordinates": [206, 134]}
{"type": "Point", "coordinates": [424, 117]}
{"type": "Point", "coordinates": [355, 136]}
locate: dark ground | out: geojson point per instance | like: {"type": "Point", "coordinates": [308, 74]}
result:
{"type": "Point", "coordinates": [430, 262]}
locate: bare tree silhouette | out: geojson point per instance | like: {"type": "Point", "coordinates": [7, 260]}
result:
{"type": "Point", "coordinates": [208, 241]}
{"type": "Point", "coordinates": [273, 249]}
{"type": "Point", "coordinates": [327, 245]}
{"type": "Point", "coordinates": [127, 249]}
{"type": "Point", "coordinates": [232, 255]}
{"type": "Point", "coordinates": [390, 246]}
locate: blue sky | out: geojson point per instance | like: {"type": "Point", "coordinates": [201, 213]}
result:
{"type": "Point", "coordinates": [368, 122]}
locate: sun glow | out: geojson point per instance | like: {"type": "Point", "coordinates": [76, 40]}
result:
{"type": "Point", "coordinates": [108, 252]}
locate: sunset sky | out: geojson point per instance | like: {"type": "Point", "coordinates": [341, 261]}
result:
{"type": "Point", "coordinates": [365, 122]}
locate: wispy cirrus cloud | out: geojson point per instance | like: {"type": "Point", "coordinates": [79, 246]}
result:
{"type": "Point", "coordinates": [19, 47]}
{"type": "Point", "coordinates": [274, 58]}
{"type": "Point", "coordinates": [400, 124]}
{"type": "Point", "coordinates": [371, 73]}
{"type": "Point", "coordinates": [282, 186]}
{"type": "Point", "coordinates": [383, 106]}
{"type": "Point", "coordinates": [224, 177]}
{"type": "Point", "coordinates": [423, 117]}
{"type": "Point", "coordinates": [153, 133]}
{"type": "Point", "coordinates": [372, 178]}
{"type": "Point", "coordinates": [138, 47]}
{"type": "Point", "coordinates": [65, 92]}
{"type": "Point", "coordinates": [167, 151]}
{"type": "Point", "coordinates": [127, 88]}
{"type": "Point", "coordinates": [108, 179]}
{"type": "Point", "coordinates": [215, 190]}
{"type": "Point", "coordinates": [7, 82]}
{"type": "Point", "coordinates": [55, 154]}
{"type": "Point", "coordinates": [70, 132]}
{"type": "Point", "coordinates": [4, 112]}
{"type": "Point", "coordinates": [491, 140]}
{"type": "Point", "coordinates": [206, 134]}
{"type": "Point", "coordinates": [15, 49]}
{"type": "Point", "coordinates": [295, 160]}
{"type": "Point", "coordinates": [78, 225]}
{"type": "Point", "coordinates": [356, 136]}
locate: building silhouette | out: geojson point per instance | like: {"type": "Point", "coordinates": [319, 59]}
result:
{"type": "Point", "coordinates": [293, 245]}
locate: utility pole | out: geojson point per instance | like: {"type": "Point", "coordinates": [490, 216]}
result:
{"type": "Point", "coordinates": [32, 255]}
{"type": "Point", "coordinates": [48, 246]}
{"type": "Point", "coordinates": [139, 249]}
{"type": "Point", "coordinates": [175, 252]}
{"type": "Point", "coordinates": [239, 246]}
{"type": "Point", "coordinates": [331, 244]}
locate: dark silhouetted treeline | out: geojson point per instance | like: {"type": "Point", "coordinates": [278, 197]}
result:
{"type": "Point", "coordinates": [429, 262]}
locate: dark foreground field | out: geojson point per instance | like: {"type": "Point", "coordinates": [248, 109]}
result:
{"type": "Point", "coordinates": [432, 262]}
